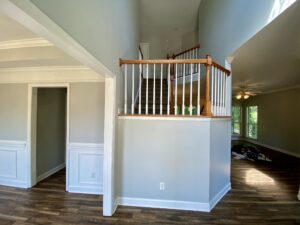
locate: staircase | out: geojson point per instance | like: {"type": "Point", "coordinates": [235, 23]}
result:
{"type": "Point", "coordinates": [150, 96]}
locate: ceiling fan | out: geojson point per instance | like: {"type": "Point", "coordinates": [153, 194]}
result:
{"type": "Point", "coordinates": [245, 95]}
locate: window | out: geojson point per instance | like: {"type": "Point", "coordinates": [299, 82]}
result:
{"type": "Point", "coordinates": [252, 122]}
{"type": "Point", "coordinates": [236, 120]}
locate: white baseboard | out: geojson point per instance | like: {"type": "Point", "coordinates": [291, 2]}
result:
{"type": "Point", "coordinates": [219, 196]}
{"type": "Point", "coordinates": [164, 204]}
{"type": "Point", "coordinates": [86, 190]}
{"type": "Point", "coordinates": [50, 172]}
{"type": "Point", "coordinates": [273, 148]}
{"type": "Point", "coordinates": [13, 183]}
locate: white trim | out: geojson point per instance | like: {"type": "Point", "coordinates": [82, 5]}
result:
{"type": "Point", "coordinates": [272, 147]}
{"type": "Point", "coordinates": [219, 196]}
{"type": "Point", "coordinates": [164, 204]}
{"type": "Point", "coordinates": [32, 155]}
{"type": "Point", "coordinates": [25, 43]}
{"type": "Point", "coordinates": [12, 144]}
{"type": "Point", "coordinates": [299, 194]}
{"type": "Point", "coordinates": [50, 172]}
{"type": "Point", "coordinates": [86, 146]}
{"type": "Point", "coordinates": [86, 190]}
{"type": "Point", "coordinates": [13, 183]}
{"type": "Point", "coordinates": [50, 74]}
{"type": "Point", "coordinates": [173, 118]}
{"type": "Point", "coordinates": [27, 14]}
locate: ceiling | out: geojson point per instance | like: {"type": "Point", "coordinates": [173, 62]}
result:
{"type": "Point", "coordinates": [19, 47]}
{"type": "Point", "coordinates": [168, 18]}
{"type": "Point", "coordinates": [270, 61]}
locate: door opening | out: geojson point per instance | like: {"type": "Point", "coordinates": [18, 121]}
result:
{"type": "Point", "coordinates": [49, 135]}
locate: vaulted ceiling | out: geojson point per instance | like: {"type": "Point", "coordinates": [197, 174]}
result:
{"type": "Point", "coordinates": [167, 19]}
{"type": "Point", "coordinates": [270, 61]}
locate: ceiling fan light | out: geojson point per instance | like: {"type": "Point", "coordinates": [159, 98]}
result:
{"type": "Point", "coordinates": [246, 96]}
{"type": "Point", "coordinates": [239, 96]}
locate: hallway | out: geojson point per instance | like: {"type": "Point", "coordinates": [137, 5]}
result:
{"type": "Point", "coordinates": [262, 193]}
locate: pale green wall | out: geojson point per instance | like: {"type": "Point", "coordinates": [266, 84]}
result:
{"type": "Point", "coordinates": [278, 119]}
{"type": "Point", "coordinates": [224, 25]}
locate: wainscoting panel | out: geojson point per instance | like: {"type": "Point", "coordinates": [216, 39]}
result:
{"type": "Point", "coordinates": [13, 170]}
{"type": "Point", "coordinates": [86, 168]}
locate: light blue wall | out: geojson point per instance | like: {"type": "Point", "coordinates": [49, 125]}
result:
{"type": "Point", "coordinates": [224, 25]}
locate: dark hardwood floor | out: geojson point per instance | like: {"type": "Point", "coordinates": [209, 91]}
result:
{"type": "Point", "coordinates": [262, 193]}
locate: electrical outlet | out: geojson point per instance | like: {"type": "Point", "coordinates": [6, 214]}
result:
{"type": "Point", "coordinates": [162, 186]}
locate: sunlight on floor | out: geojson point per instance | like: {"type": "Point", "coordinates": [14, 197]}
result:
{"type": "Point", "coordinates": [254, 176]}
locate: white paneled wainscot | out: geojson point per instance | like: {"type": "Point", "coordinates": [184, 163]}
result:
{"type": "Point", "coordinates": [86, 168]}
{"type": "Point", "coordinates": [13, 163]}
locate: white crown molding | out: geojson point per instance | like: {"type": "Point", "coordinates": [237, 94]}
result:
{"type": "Point", "coordinates": [44, 68]}
{"type": "Point", "coordinates": [25, 43]}
{"type": "Point", "coordinates": [60, 74]}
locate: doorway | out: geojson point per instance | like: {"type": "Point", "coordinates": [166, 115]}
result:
{"type": "Point", "coordinates": [48, 131]}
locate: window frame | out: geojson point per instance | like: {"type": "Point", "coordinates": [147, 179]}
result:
{"type": "Point", "coordinates": [240, 121]}
{"type": "Point", "coordinates": [252, 124]}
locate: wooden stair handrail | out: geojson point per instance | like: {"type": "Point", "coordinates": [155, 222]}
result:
{"type": "Point", "coordinates": [185, 51]}
{"type": "Point", "coordinates": [164, 61]}
{"type": "Point", "coordinates": [221, 68]}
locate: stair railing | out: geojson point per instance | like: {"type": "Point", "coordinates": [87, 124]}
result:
{"type": "Point", "coordinates": [151, 95]}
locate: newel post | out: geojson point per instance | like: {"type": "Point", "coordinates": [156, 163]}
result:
{"type": "Point", "coordinates": [207, 93]}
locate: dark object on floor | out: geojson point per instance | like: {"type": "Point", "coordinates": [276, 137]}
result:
{"type": "Point", "coordinates": [248, 152]}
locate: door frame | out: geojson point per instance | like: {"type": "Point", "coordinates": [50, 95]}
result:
{"type": "Point", "coordinates": [32, 151]}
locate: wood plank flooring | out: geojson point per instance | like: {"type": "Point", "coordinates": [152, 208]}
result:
{"type": "Point", "coordinates": [262, 193]}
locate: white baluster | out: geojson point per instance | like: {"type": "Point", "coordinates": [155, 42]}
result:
{"type": "Point", "coordinates": [147, 76]}
{"type": "Point", "coordinates": [132, 95]}
{"type": "Point", "coordinates": [140, 90]}
{"type": "Point", "coordinates": [212, 90]}
{"type": "Point", "coordinates": [176, 89]}
{"type": "Point", "coordinates": [191, 91]}
{"type": "Point", "coordinates": [183, 90]}
{"type": "Point", "coordinates": [215, 88]}
{"type": "Point", "coordinates": [169, 84]}
{"type": "Point", "coordinates": [218, 92]}
{"type": "Point", "coordinates": [198, 97]}
{"type": "Point", "coordinates": [224, 93]}
{"type": "Point", "coordinates": [161, 87]}
{"type": "Point", "coordinates": [125, 91]}
{"type": "Point", "coordinates": [154, 89]}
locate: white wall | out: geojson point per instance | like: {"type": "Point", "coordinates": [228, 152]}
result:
{"type": "Point", "coordinates": [179, 153]}
{"type": "Point", "coordinates": [225, 25]}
